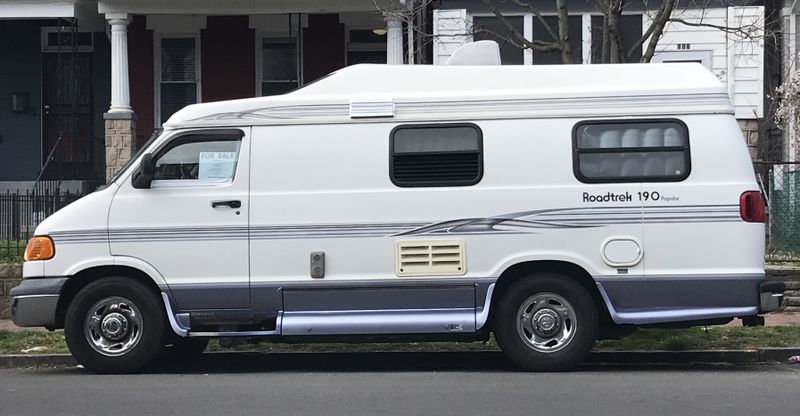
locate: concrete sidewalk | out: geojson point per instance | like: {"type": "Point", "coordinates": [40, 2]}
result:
{"type": "Point", "coordinates": [783, 318]}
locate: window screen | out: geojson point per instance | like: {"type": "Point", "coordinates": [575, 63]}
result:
{"type": "Point", "coordinates": [491, 28]}
{"type": "Point", "coordinates": [636, 151]}
{"type": "Point", "coordinates": [178, 75]}
{"type": "Point", "coordinates": [436, 155]}
{"type": "Point", "coordinates": [279, 73]}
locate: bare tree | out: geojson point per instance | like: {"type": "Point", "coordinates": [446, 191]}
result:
{"type": "Point", "coordinates": [614, 48]}
{"type": "Point", "coordinates": [414, 15]}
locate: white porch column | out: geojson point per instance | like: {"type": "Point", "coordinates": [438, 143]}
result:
{"type": "Point", "coordinates": [394, 39]}
{"type": "Point", "coordinates": [120, 88]}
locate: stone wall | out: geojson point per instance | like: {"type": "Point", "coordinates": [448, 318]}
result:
{"type": "Point", "coordinates": [750, 133]}
{"type": "Point", "coordinates": [120, 142]}
{"type": "Point", "coordinates": [10, 276]}
{"type": "Point", "coordinates": [790, 277]}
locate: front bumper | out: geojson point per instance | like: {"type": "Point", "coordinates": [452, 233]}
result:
{"type": "Point", "coordinates": [771, 296]}
{"type": "Point", "coordinates": [34, 301]}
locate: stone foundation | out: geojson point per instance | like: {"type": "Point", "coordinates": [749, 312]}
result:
{"type": "Point", "coordinates": [120, 140]}
{"type": "Point", "coordinates": [791, 278]}
{"type": "Point", "coordinates": [10, 276]}
{"type": "Point", "coordinates": [750, 133]}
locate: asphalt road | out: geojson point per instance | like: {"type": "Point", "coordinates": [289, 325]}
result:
{"type": "Point", "coordinates": [400, 383]}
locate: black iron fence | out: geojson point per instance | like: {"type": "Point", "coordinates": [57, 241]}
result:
{"type": "Point", "coordinates": [21, 212]}
{"type": "Point", "coordinates": [781, 185]}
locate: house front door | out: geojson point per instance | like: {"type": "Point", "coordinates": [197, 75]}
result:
{"type": "Point", "coordinates": [67, 147]}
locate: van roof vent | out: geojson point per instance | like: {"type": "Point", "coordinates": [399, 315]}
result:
{"type": "Point", "coordinates": [440, 257]}
{"type": "Point", "coordinates": [372, 108]}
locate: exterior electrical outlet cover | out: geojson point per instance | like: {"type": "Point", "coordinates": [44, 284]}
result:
{"type": "Point", "coordinates": [440, 257]}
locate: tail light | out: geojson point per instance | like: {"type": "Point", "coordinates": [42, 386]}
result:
{"type": "Point", "coordinates": [751, 207]}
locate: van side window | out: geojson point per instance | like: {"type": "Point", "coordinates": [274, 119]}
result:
{"type": "Point", "coordinates": [631, 151]}
{"type": "Point", "coordinates": [202, 158]}
{"type": "Point", "coordinates": [436, 155]}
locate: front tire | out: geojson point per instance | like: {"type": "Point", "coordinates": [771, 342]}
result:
{"type": "Point", "coordinates": [546, 322]}
{"type": "Point", "coordinates": [115, 325]}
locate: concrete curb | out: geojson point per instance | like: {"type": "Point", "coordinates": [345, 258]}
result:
{"type": "Point", "coordinates": [761, 355]}
{"type": "Point", "coordinates": [50, 360]}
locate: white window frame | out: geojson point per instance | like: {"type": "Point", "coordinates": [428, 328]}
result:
{"type": "Point", "coordinates": [66, 31]}
{"type": "Point", "coordinates": [157, 69]}
{"type": "Point", "coordinates": [586, 20]}
{"type": "Point", "coordinates": [705, 56]}
{"type": "Point", "coordinates": [260, 36]}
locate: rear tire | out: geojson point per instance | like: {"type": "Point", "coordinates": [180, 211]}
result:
{"type": "Point", "coordinates": [546, 322]}
{"type": "Point", "coordinates": [115, 325]}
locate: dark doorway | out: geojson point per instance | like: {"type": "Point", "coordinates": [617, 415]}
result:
{"type": "Point", "coordinates": [67, 117]}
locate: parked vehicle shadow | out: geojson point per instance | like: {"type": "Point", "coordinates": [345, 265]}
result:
{"type": "Point", "coordinates": [238, 362]}
{"type": "Point", "coordinates": [325, 362]}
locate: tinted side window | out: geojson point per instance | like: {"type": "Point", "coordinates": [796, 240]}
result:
{"type": "Point", "coordinates": [204, 158]}
{"type": "Point", "coordinates": [631, 151]}
{"type": "Point", "coordinates": [436, 155]}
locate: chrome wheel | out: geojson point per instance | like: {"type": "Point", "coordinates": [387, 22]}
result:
{"type": "Point", "coordinates": [113, 326]}
{"type": "Point", "coordinates": [546, 322]}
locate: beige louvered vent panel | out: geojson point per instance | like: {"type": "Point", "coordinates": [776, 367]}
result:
{"type": "Point", "coordinates": [439, 257]}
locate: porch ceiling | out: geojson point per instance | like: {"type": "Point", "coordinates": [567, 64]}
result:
{"type": "Point", "coordinates": [237, 7]}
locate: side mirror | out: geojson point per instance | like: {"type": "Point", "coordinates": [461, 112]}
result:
{"type": "Point", "coordinates": [143, 177]}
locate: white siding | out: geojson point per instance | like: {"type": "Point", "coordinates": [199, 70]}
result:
{"type": "Point", "coordinates": [738, 61]}
{"type": "Point", "coordinates": [451, 29]}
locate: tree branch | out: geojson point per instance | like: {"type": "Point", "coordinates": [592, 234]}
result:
{"type": "Point", "coordinates": [522, 42]}
{"type": "Point", "coordinates": [649, 30]}
{"type": "Point", "coordinates": [744, 31]}
{"type": "Point", "coordinates": [659, 22]}
{"type": "Point", "coordinates": [539, 16]}
{"type": "Point", "coordinates": [536, 45]}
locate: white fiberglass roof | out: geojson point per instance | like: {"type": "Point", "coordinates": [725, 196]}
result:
{"type": "Point", "coordinates": [459, 84]}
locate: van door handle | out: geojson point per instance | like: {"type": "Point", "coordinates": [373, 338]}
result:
{"type": "Point", "coordinates": [230, 204]}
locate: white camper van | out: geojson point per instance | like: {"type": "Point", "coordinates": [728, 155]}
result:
{"type": "Point", "coordinates": [549, 205]}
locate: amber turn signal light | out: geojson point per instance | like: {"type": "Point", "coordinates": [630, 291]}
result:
{"type": "Point", "coordinates": [40, 248]}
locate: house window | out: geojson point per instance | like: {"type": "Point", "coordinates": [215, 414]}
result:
{"type": "Point", "coordinates": [701, 57]}
{"type": "Point", "coordinates": [631, 27]}
{"type": "Point", "coordinates": [491, 28]}
{"type": "Point", "coordinates": [436, 155]}
{"type": "Point", "coordinates": [631, 151]}
{"type": "Point", "coordinates": [178, 75]}
{"type": "Point", "coordinates": [366, 47]}
{"type": "Point", "coordinates": [279, 66]}
{"type": "Point", "coordinates": [575, 33]}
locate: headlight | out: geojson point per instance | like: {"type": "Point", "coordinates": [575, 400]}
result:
{"type": "Point", "coordinates": [40, 248]}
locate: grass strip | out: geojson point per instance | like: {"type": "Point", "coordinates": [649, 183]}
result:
{"type": "Point", "coordinates": [712, 338]}
{"type": "Point", "coordinates": [12, 252]}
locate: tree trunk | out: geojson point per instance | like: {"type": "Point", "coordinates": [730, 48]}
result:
{"type": "Point", "coordinates": [612, 15]}
{"type": "Point", "coordinates": [563, 31]}
{"type": "Point", "coordinates": [606, 43]}
{"type": "Point", "coordinates": [658, 29]}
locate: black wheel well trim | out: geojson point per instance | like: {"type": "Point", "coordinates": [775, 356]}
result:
{"type": "Point", "coordinates": [571, 270]}
{"type": "Point", "coordinates": [81, 279]}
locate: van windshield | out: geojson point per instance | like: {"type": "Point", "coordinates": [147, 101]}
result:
{"type": "Point", "coordinates": [136, 156]}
